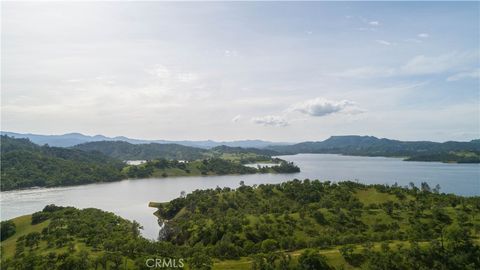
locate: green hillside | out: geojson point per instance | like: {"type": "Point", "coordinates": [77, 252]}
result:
{"type": "Point", "coordinates": [127, 151]}
{"type": "Point", "coordinates": [25, 164]}
{"type": "Point", "coordinates": [293, 225]}
{"type": "Point", "coordinates": [371, 146]}
{"type": "Point", "coordinates": [210, 166]}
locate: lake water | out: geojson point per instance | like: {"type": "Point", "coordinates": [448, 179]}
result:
{"type": "Point", "coordinates": [130, 198]}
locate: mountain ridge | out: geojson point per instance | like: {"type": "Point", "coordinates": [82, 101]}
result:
{"type": "Point", "coordinates": [75, 138]}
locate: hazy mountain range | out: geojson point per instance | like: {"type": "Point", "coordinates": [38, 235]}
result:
{"type": "Point", "coordinates": [71, 139]}
{"type": "Point", "coordinates": [127, 148]}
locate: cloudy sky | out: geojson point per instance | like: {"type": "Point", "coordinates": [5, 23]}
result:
{"type": "Point", "coordinates": [228, 71]}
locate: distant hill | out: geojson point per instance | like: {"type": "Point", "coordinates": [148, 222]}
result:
{"type": "Point", "coordinates": [71, 139]}
{"type": "Point", "coordinates": [128, 151]}
{"type": "Point", "coordinates": [25, 164]}
{"type": "Point", "coordinates": [228, 149]}
{"type": "Point", "coordinates": [371, 146]}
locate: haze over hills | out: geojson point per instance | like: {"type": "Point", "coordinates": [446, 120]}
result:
{"type": "Point", "coordinates": [450, 151]}
{"type": "Point", "coordinates": [71, 139]}
{"type": "Point", "coordinates": [127, 148]}
{"type": "Point", "coordinates": [25, 164]}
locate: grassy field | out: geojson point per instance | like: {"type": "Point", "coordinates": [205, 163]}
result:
{"type": "Point", "coordinates": [305, 229]}
{"type": "Point", "coordinates": [333, 256]}
{"type": "Point", "coordinates": [23, 227]}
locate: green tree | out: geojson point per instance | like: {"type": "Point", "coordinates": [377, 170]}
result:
{"type": "Point", "coordinates": [311, 260]}
{"type": "Point", "coordinates": [200, 261]}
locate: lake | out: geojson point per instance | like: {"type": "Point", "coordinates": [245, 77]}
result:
{"type": "Point", "coordinates": [130, 198]}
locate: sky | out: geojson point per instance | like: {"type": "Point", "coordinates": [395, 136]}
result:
{"type": "Point", "coordinates": [242, 70]}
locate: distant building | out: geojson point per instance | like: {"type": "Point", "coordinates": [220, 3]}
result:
{"type": "Point", "coordinates": [134, 162]}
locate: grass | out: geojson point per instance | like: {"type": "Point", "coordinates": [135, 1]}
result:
{"type": "Point", "coordinates": [334, 258]}
{"type": "Point", "coordinates": [23, 227]}
{"type": "Point", "coordinates": [372, 195]}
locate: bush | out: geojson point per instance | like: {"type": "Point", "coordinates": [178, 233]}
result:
{"type": "Point", "coordinates": [269, 245]}
{"type": "Point", "coordinates": [7, 229]}
{"type": "Point", "coordinates": [310, 259]}
{"type": "Point", "coordinates": [39, 217]}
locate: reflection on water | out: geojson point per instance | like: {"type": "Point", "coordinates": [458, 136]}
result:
{"type": "Point", "coordinates": [130, 198]}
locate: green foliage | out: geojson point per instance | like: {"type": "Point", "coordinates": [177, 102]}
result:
{"type": "Point", "coordinates": [221, 166]}
{"type": "Point", "coordinates": [457, 252]}
{"type": "Point", "coordinates": [312, 260]}
{"type": "Point", "coordinates": [210, 166]}
{"type": "Point", "coordinates": [299, 214]}
{"type": "Point", "coordinates": [200, 261]}
{"type": "Point", "coordinates": [127, 151]}
{"type": "Point", "coordinates": [464, 152]}
{"type": "Point", "coordinates": [452, 156]}
{"type": "Point", "coordinates": [292, 225]}
{"type": "Point", "coordinates": [25, 164]}
{"type": "Point", "coordinates": [7, 229]}
{"type": "Point", "coordinates": [85, 239]}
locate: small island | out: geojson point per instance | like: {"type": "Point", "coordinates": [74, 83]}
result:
{"type": "Point", "coordinates": [212, 166]}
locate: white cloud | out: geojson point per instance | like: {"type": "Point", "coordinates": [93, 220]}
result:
{"type": "Point", "coordinates": [322, 107]}
{"type": "Point", "coordinates": [383, 42]}
{"type": "Point", "coordinates": [465, 75]}
{"type": "Point", "coordinates": [236, 118]}
{"type": "Point", "coordinates": [375, 23]}
{"type": "Point", "coordinates": [270, 120]}
{"type": "Point", "coordinates": [423, 35]}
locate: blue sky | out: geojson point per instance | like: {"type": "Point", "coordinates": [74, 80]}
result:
{"type": "Point", "coordinates": [242, 70]}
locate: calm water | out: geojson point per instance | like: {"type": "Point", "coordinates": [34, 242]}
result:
{"type": "Point", "coordinates": [129, 198]}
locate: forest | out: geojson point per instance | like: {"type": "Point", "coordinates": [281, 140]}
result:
{"type": "Point", "coordinates": [25, 164]}
{"type": "Point", "coordinates": [451, 151]}
{"type": "Point", "coordinates": [293, 225]}
{"type": "Point", "coordinates": [211, 166]}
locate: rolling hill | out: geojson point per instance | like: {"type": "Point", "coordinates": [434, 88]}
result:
{"type": "Point", "coordinates": [71, 139]}
{"type": "Point", "coordinates": [25, 164]}
{"type": "Point", "coordinates": [451, 151]}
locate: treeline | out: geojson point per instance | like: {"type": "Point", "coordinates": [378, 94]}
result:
{"type": "Point", "coordinates": [83, 239]}
{"type": "Point", "coordinates": [25, 164]}
{"type": "Point", "coordinates": [268, 219]}
{"type": "Point", "coordinates": [211, 166]}
{"type": "Point", "coordinates": [127, 151]}
{"type": "Point", "coordinates": [458, 157]}
{"type": "Point", "coordinates": [465, 152]}
{"type": "Point", "coordinates": [376, 226]}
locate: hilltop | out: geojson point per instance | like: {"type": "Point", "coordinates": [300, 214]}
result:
{"type": "Point", "coordinates": [71, 139]}
{"type": "Point", "coordinates": [293, 225]}
{"type": "Point", "coordinates": [25, 164]}
{"type": "Point", "coordinates": [462, 152]}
